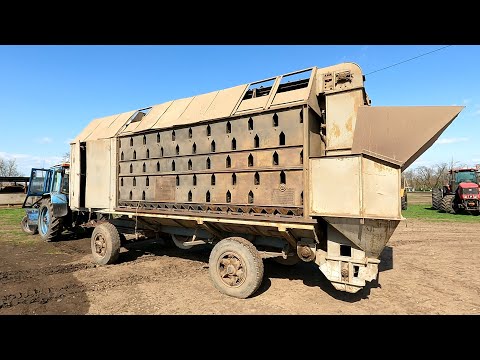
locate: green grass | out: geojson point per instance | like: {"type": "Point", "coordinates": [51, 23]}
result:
{"type": "Point", "coordinates": [11, 230]}
{"type": "Point", "coordinates": [425, 212]}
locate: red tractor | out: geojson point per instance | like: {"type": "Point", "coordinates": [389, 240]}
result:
{"type": "Point", "coordinates": [460, 194]}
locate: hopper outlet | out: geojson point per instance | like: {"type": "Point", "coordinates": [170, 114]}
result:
{"type": "Point", "coordinates": [400, 134]}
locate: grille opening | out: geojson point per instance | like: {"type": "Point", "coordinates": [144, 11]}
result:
{"type": "Point", "coordinates": [229, 127]}
{"type": "Point", "coordinates": [173, 135]}
{"type": "Point", "coordinates": [190, 165]}
{"type": "Point", "coordinates": [234, 179]}
{"type": "Point", "coordinates": [256, 179]}
{"type": "Point", "coordinates": [275, 120]}
{"type": "Point", "coordinates": [356, 268]}
{"type": "Point", "coordinates": [275, 158]}
{"type": "Point", "coordinates": [190, 133]}
{"type": "Point", "coordinates": [148, 154]}
{"type": "Point", "coordinates": [228, 162]}
{"type": "Point", "coordinates": [209, 130]}
{"type": "Point", "coordinates": [234, 144]}
{"type": "Point", "coordinates": [212, 179]}
{"type": "Point", "coordinates": [250, 124]}
{"type": "Point", "coordinates": [177, 180]}
{"type": "Point", "coordinates": [177, 150]}
{"type": "Point", "coordinates": [283, 178]}
{"type": "Point", "coordinates": [228, 197]}
{"type": "Point", "coordinates": [144, 140]}
{"type": "Point", "coordinates": [194, 180]}
{"type": "Point", "coordinates": [147, 181]}
{"type": "Point", "coordinates": [190, 195]}
{"type": "Point", "coordinates": [207, 196]}
{"type": "Point", "coordinates": [158, 137]}
{"type": "Point", "coordinates": [256, 141]}
{"type": "Point", "coordinates": [250, 197]}
{"type": "Point", "coordinates": [345, 250]}
{"type": "Point", "coordinates": [281, 138]}
{"type": "Point", "coordinates": [134, 181]}
{"type": "Point", "coordinates": [250, 160]}
{"type": "Point", "coordinates": [212, 146]}
{"type": "Point", "coordinates": [208, 163]}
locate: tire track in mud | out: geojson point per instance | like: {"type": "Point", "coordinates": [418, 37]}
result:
{"type": "Point", "coordinates": [43, 295]}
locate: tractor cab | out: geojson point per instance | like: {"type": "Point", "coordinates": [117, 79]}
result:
{"type": "Point", "coordinates": [46, 186]}
{"type": "Point", "coordinates": [466, 178]}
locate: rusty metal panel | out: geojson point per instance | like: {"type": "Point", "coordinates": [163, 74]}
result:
{"type": "Point", "coordinates": [98, 174]}
{"type": "Point", "coordinates": [171, 115]}
{"type": "Point", "coordinates": [330, 79]}
{"type": "Point", "coordinates": [88, 130]}
{"type": "Point", "coordinates": [341, 117]}
{"type": "Point", "coordinates": [400, 134]}
{"type": "Point", "coordinates": [381, 190]}
{"type": "Point", "coordinates": [148, 120]}
{"type": "Point", "coordinates": [335, 187]}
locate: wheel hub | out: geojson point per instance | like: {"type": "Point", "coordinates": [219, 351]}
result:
{"type": "Point", "coordinates": [100, 245]}
{"type": "Point", "coordinates": [231, 269]}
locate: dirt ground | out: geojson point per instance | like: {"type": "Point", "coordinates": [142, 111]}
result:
{"type": "Point", "coordinates": [427, 268]}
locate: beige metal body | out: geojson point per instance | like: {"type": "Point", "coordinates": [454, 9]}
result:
{"type": "Point", "coordinates": [307, 161]}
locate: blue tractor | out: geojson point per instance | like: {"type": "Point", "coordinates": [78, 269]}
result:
{"type": "Point", "coordinates": [46, 203]}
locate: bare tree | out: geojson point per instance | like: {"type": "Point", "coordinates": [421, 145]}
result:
{"type": "Point", "coordinates": [9, 168]}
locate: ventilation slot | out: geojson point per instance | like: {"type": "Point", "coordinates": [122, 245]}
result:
{"type": "Point", "coordinates": [209, 130]}
{"type": "Point", "coordinates": [134, 154]}
{"type": "Point", "coordinates": [148, 154]}
{"type": "Point", "coordinates": [158, 137]}
{"type": "Point", "coordinates": [144, 168]}
{"type": "Point", "coordinates": [194, 182]}
{"type": "Point", "coordinates": [190, 164]}
{"type": "Point", "coordinates": [131, 141]}
{"type": "Point", "coordinates": [134, 181]}
{"type": "Point", "coordinates": [250, 197]}
{"type": "Point", "coordinates": [275, 120]}
{"type": "Point", "coordinates": [256, 179]}
{"type": "Point", "coordinates": [122, 156]}
{"type": "Point", "coordinates": [250, 160]}
{"type": "Point", "coordinates": [228, 197]}
{"type": "Point", "coordinates": [131, 168]}
{"type": "Point", "coordinates": [194, 148]}
{"type": "Point", "coordinates": [228, 162]}
{"type": "Point", "coordinates": [283, 178]}
{"type": "Point", "coordinates": [212, 180]}
{"type": "Point", "coordinates": [121, 182]}
{"type": "Point", "coordinates": [250, 124]}
{"type": "Point", "coordinates": [177, 180]}
{"type": "Point", "coordinates": [301, 157]}
{"type": "Point", "coordinates": [173, 135]}
{"type": "Point", "coordinates": [147, 181]}
{"type": "Point", "coordinates": [281, 138]}
{"type": "Point", "coordinates": [212, 146]}
{"type": "Point", "coordinates": [177, 150]}
{"type": "Point", "coordinates": [234, 144]}
{"type": "Point", "coordinates": [144, 140]}
{"type": "Point", "coordinates": [256, 141]}
{"type": "Point", "coordinates": [173, 165]}
{"type": "Point", "coordinates": [207, 196]}
{"type": "Point", "coordinates": [229, 127]}
{"type": "Point", "coordinates": [131, 195]}
{"type": "Point", "coordinates": [234, 179]}
{"type": "Point", "coordinates": [143, 195]}
{"type": "Point", "coordinates": [275, 158]}
{"type": "Point", "coordinates": [161, 152]}
{"type": "Point", "coordinates": [158, 166]}
{"type": "Point", "coordinates": [190, 133]}
{"type": "Point", "coordinates": [190, 196]}
{"type": "Point", "coordinates": [208, 163]}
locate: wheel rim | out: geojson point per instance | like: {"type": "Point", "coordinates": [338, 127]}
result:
{"type": "Point", "coordinates": [25, 224]}
{"type": "Point", "coordinates": [44, 220]}
{"type": "Point", "coordinates": [231, 269]}
{"type": "Point", "coordinates": [100, 245]}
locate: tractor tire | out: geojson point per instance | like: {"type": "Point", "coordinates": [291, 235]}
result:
{"type": "Point", "coordinates": [447, 204]}
{"type": "Point", "coordinates": [105, 244]}
{"type": "Point", "coordinates": [235, 267]}
{"type": "Point", "coordinates": [436, 198]}
{"type": "Point", "coordinates": [49, 227]}
{"type": "Point", "coordinates": [28, 229]}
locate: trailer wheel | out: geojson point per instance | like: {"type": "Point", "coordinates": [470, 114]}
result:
{"type": "Point", "coordinates": [105, 243]}
{"type": "Point", "coordinates": [28, 229]}
{"type": "Point", "coordinates": [289, 261]}
{"type": "Point", "coordinates": [49, 226]}
{"type": "Point", "coordinates": [235, 267]}
{"type": "Point", "coordinates": [436, 198]}
{"type": "Point", "coordinates": [447, 204]}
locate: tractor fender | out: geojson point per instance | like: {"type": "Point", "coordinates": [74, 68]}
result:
{"type": "Point", "coordinates": [59, 204]}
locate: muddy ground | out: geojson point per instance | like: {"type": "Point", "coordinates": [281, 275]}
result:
{"type": "Point", "coordinates": [427, 268]}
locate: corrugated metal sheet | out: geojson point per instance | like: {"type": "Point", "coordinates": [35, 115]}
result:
{"type": "Point", "coordinates": [112, 129]}
{"type": "Point", "coordinates": [149, 120]}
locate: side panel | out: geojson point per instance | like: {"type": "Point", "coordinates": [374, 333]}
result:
{"type": "Point", "coordinates": [98, 174]}
{"type": "Point", "coordinates": [335, 186]}
{"type": "Point", "coordinates": [74, 179]}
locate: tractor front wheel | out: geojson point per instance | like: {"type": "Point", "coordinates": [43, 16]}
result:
{"type": "Point", "coordinates": [28, 229]}
{"type": "Point", "coordinates": [49, 226]}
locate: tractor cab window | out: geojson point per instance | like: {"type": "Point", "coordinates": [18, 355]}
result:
{"type": "Point", "coordinates": [64, 186]}
{"type": "Point", "coordinates": [38, 179]}
{"type": "Point", "coordinates": [466, 176]}
{"type": "Point", "coordinates": [57, 181]}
